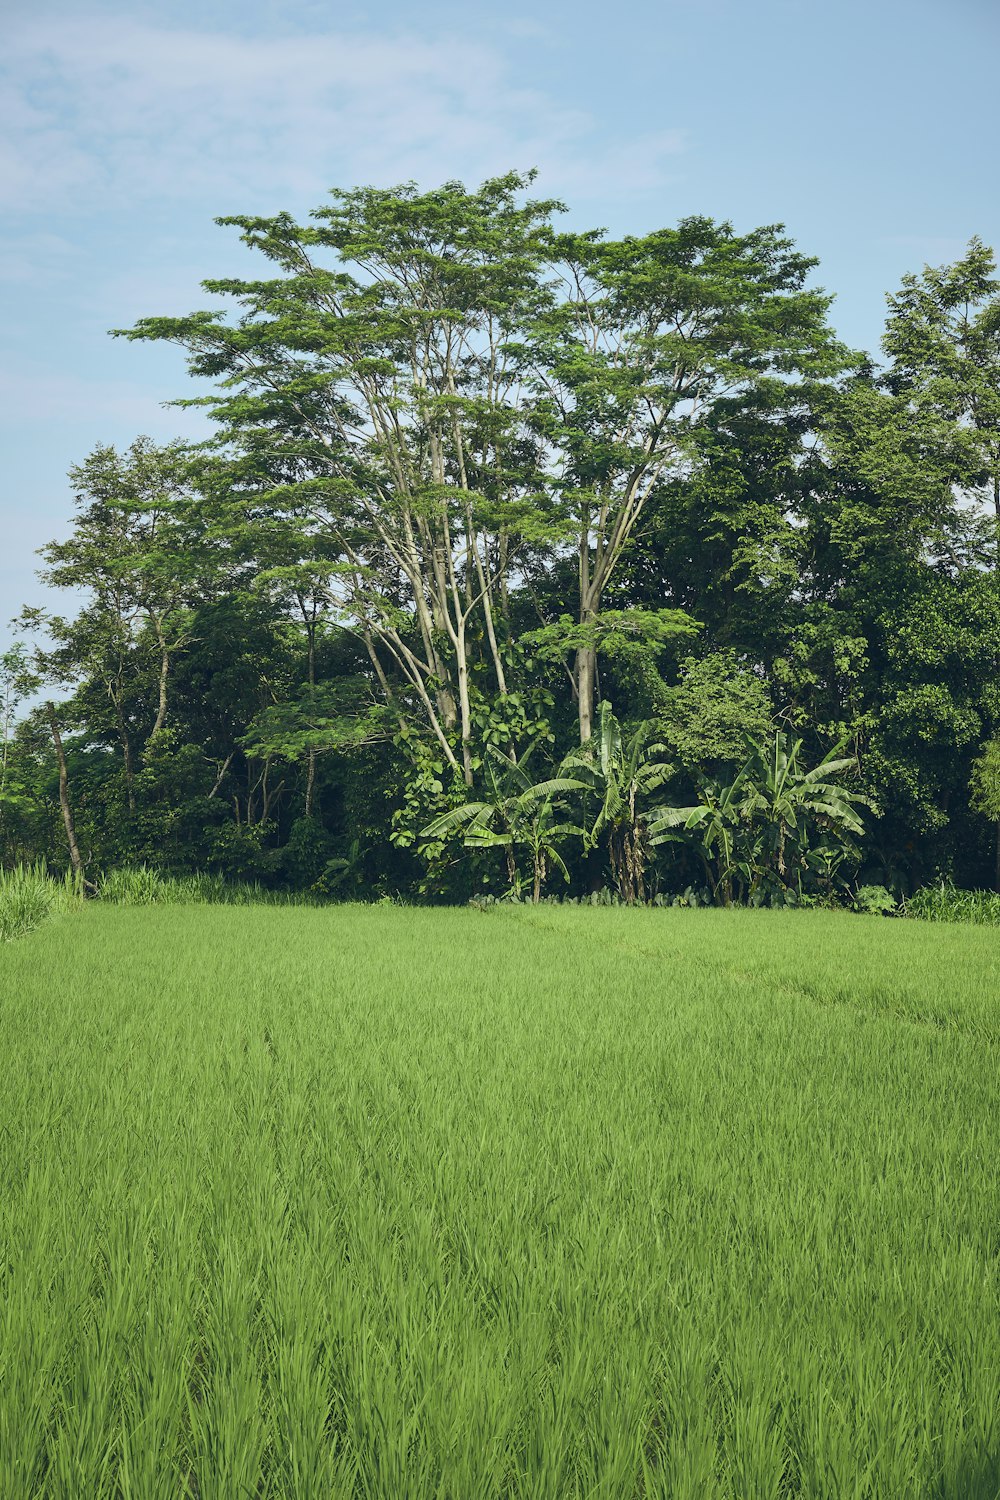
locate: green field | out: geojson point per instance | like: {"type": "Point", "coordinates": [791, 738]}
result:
{"type": "Point", "coordinates": [538, 1203]}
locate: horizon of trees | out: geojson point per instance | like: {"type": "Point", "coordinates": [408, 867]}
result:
{"type": "Point", "coordinates": [611, 540]}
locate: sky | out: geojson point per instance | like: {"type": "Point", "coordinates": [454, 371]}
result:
{"type": "Point", "coordinates": [867, 127]}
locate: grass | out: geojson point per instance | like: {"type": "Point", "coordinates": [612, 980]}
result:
{"type": "Point", "coordinates": [947, 903]}
{"type": "Point", "coordinates": [29, 895]}
{"type": "Point", "coordinates": [554, 1203]}
{"type": "Point", "coordinates": [142, 886]}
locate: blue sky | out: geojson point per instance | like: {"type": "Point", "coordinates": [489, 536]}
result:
{"type": "Point", "coordinates": [869, 129]}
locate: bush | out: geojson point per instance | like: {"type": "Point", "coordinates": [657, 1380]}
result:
{"type": "Point", "coordinates": [874, 901]}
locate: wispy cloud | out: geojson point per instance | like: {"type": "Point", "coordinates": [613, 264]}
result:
{"type": "Point", "coordinates": [101, 110]}
{"type": "Point", "coordinates": [933, 248]}
{"type": "Point", "coordinates": [46, 399]}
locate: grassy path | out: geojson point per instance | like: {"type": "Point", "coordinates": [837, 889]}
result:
{"type": "Point", "coordinates": [554, 1203]}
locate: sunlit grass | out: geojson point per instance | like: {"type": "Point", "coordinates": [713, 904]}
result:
{"type": "Point", "coordinates": [522, 1203]}
{"type": "Point", "coordinates": [29, 895]}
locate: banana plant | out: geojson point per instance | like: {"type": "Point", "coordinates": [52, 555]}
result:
{"type": "Point", "coordinates": [515, 813]}
{"type": "Point", "coordinates": [794, 811]}
{"type": "Point", "coordinates": [773, 824]}
{"type": "Point", "coordinates": [621, 774]}
{"type": "Point", "coordinates": [715, 822]}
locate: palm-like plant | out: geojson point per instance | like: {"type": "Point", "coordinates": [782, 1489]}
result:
{"type": "Point", "coordinates": [622, 774]}
{"type": "Point", "coordinates": [715, 823]}
{"type": "Point", "coordinates": [775, 821]}
{"type": "Point", "coordinates": [790, 806]}
{"type": "Point", "coordinates": [514, 813]}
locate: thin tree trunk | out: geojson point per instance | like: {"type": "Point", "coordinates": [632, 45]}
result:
{"type": "Point", "coordinates": [311, 773]}
{"type": "Point", "coordinates": [6, 749]}
{"type": "Point", "coordinates": [463, 698]}
{"type": "Point", "coordinates": [586, 656]}
{"type": "Point", "coordinates": [310, 783]}
{"type": "Point", "coordinates": [219, 779]}
{"type": "Point", "coordinates": [129, 770]}
{"type": "Point", "coordinates": [67, 812]}
{"type": "Point", "coordinates": [161, 711]}
{"type": "Point", "coordinates": [586, 675]}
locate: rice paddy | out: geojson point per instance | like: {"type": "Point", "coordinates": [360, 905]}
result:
{"type": "Point", "coordinates": [452, 1205]}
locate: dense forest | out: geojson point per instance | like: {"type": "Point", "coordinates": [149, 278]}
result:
{"type": "Point", "coordinates": [532, 562]}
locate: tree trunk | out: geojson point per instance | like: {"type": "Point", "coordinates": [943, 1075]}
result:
{"type": "Point", "coordinates": [161, 711]}
{"type": "Point", "coordinates": [310, 783]}
{"type": "Point", "coordinates": [310, 623]}
{"type": "Point", "coordinates": [67, 812]}
{"type": "Point", "coordinates": [586, 675]}
{"type": "Point", "coordinates": [539, 872]}
{"type": "Point", "coordinates": [129, 770]}
{"type": "Point", "coordinates": [462, 663]}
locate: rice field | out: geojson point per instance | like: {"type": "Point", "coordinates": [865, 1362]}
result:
{"type": "Point", "coordinates": [451, 1205]}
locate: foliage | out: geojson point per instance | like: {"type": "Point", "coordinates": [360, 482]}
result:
{"type": "Point", "coordinates": [874, 901]}
{"type": "Point", "coordinates": [986, 781]}
{"type": "Point", "coordinates": [621, 774]}
{"type": "Point", "coordinates": [515, 814]}
{"type": "Point", "coordinates": [717, 706]}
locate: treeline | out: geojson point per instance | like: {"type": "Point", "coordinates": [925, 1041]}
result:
{"type": "Point", "coordinates": [532, 561]}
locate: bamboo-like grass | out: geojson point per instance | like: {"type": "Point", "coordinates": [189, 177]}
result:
{"type": "Point", "coordinates": [402, 1204]}
{"type": "Point", "coordinates": [29, 895]}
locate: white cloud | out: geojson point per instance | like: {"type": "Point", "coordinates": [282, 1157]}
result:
{"type": "Point", "coordinates": [94, 112]}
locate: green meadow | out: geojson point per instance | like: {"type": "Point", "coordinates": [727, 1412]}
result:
{"type": "Point", "coordinates": [536, 1203]}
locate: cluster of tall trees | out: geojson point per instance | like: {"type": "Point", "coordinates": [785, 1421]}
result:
{"type": "Point", "coordinates": [487, 503]}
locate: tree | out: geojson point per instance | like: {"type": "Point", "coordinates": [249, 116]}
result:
{"type": "Point", "coordinates": [649, 338]}
{"type": "Point", "coordinates": [943, 340]}
{"type": "Point", "coordinates": [17, 682]}
{"type": "Point", "coordinates": [138, 555]}
{"type": "Point", "coordinates": [382, 395]}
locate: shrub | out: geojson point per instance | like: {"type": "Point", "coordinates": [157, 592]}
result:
{"type": "Point", "coordinates": [874, 901]}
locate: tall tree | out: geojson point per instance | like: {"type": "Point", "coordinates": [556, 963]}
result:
{"type": "Point", "coordinates": [943, 340]}
{"type": "Point", "coordinates": [649, 337]}
{"type": "Point", "coordinates": [386, 390]}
